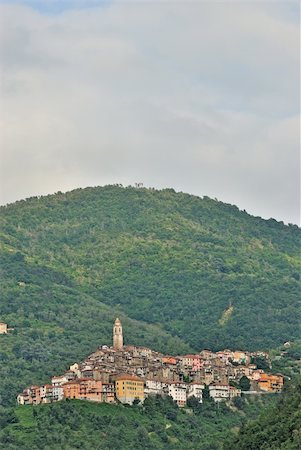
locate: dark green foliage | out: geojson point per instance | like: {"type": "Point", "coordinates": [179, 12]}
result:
{"type": "Point", "coordinates": [261, 363]}
{"type": "Point", "coordinates": [278, 427]}
{"type": "Point", "coordinates": [168, 264]}
{"type": "Point", "coordinates": [286, 359]}
{"type": "Point", "coordinates": [244, 383]}
{"type": "Point", "coordinates": [158, 424]}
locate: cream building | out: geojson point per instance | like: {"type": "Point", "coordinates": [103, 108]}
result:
{"type": "Point", "coordinates": [3, 328]}
{"type": "Point", "coordinates": [195, 389]}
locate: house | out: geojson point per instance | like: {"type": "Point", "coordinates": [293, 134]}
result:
{"type": "Point", "coordinates": [108, 392]}
{"type": "Point", "coordinates": [241, 357]}
{"type": "Point", "coordinates": [25, 398]}
{"type": "Point", "coordinates": [75, 368]}
{"type": "Point", "coordinates": [169, 360]}
{"type": "Point", "coordinates": [59, 380]}
{"type": "Point", "coordinates": [225, 355]}
{"type": "Point", "coordinates": [71, 389]}
{"type": "Point", "coordinates": [207, 354]}
{"type": "Point", "coordinates": [3, 328]}
{"type": "Point", "coordinates": [219, 392]}
{"type": "Point", "coordinates": [90, 389]}
{"type": "Point", "coordinates": [270, 383]}
{"type": "Point", "coordinates": [195, 389]}
{"type": "Point", "coordinates": [153, 387]}
{"type": "Point", "coordinates": [46, 393]}
{"type": "Point", "coordinates": [192, 362]}
{"type": "Point", "coordinates": [240, 371]}
{"type": "Point", "coordinates": [21, 399]}
{"type": "Point", "coordinates": [208, 375]}
{"type": "Point", "coordinates": [57, 393]}
{"type": "Point", "coordinates": [256, 374]}
{"type": "Point", "coordinates": [177, 391]}
{"type": "Point", "coordinates": [129, 388]}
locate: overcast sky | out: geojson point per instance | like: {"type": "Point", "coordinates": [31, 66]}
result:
{"type": "Point", "coordinates": [199, 96]}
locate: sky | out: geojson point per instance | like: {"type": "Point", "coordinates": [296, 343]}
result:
{"type": "Point", "coordinates": [203, 97]}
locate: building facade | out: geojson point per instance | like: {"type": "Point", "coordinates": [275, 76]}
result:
{"type": "Point", "coordinates": [129, 388]}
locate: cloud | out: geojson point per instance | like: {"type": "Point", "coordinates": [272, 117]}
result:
{"type": "Point", "coordinates": [202, 97]}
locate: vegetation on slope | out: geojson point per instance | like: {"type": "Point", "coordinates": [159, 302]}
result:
{"type": "Point", "coordinates": [183, 273]}
{"type": "Point", "coordinates": [277, 428]}
{"type": "Point", "coordinates": [158, 424]}
{"type": "Point", "coordinates": [56, 325]}
{"type": "Point", "coordinates": [168, 258]}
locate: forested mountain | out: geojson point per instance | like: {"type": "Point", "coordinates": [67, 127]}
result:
{"type": "Point", "coordinates": [276, 428]}
{"type": "Point", "coordinates": [182, 272]}
{"type": "Point", "coordinates": [158, 424]}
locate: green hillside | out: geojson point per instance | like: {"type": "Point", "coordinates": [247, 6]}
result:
{"type": "Point", "coordinates": [183, 273]}
{"type": "Point", "coordinates": [276, 428]}
{"type": "Point", "coordinates": [159, 424]}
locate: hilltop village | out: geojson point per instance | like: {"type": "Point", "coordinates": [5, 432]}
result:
{"type": "Point", "coordinates": [129, 374]}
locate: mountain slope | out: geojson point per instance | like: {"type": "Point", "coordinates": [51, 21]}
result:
{"type": "Point", "coordinates": [278, 427]}
{"type": "Point", "coordinates": [55, 325]}
{"type": "Point", "coordinates": [159, 424]}
{"type": "Point", "coordinates": [168, 258]}
{"type": "Point", "coordinates": [191, 272]}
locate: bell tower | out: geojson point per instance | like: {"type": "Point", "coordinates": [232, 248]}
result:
{"type": "Point", "coordinates": [117, 335]}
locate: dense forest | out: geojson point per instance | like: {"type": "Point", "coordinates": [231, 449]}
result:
{"type": "Point", "coordinates": [182, 272]}
{"type": "Point", "coordinates": [276, 428]}
{"type": "Point", "coordinates": [158, 424]}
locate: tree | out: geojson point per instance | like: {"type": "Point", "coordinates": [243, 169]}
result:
{"type": "Point", "coordinates": [206, 395]}
{"type": "Point", "coordinates": [244, 383]}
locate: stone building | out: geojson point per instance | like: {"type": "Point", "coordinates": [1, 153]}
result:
{"type": "Point", "coordinates": [117, 335]}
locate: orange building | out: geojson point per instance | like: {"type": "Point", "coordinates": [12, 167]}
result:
{"type": "Point", "coordinates": [71, 389]}
{"type": "Point", "coordinates": [270, 383]}
{"type": "Point", "coordinates": [90, 389]}
{"type": "Point", "coordinates": [128, 388]}
{"type": "Point", "coordinates": [83, 389]}
{"type": "Point", "coordinates": [169, 360]}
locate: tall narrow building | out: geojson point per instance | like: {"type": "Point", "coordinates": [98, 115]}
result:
{"type": "Point", "coordinates": [117, 335]}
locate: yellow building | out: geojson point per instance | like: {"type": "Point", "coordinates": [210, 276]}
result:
{"type": "Point", "coordinates": [128, 388]}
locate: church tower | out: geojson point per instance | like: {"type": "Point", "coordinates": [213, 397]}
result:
{"type": "Point", "coordinates": [117, 335]}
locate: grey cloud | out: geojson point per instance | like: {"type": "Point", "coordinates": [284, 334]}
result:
{"type": "Point", "coordinates": [202, 97]}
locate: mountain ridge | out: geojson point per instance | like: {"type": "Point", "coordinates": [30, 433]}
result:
{"type": "Point", "coordinates": [172, 264]}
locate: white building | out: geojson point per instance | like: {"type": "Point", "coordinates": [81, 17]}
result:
{"type": "Point", "coordinates": [20, 399]}
{"type": "Point", "coordinates": [177, 391]}
{"type": "Point", "coordinates": [219, 392]}
{"type": "Point", "coordinates": [153, 387]}
{"type": "Point", "coordinates": [195, 389]}
{"type": "Point", "coordinates": [57, 393]}
{"type": "Point", "coordinates": [59, 380]}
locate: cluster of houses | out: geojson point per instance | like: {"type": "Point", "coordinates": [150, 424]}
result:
{"type": "Point", "coordinates": [130, 373]}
